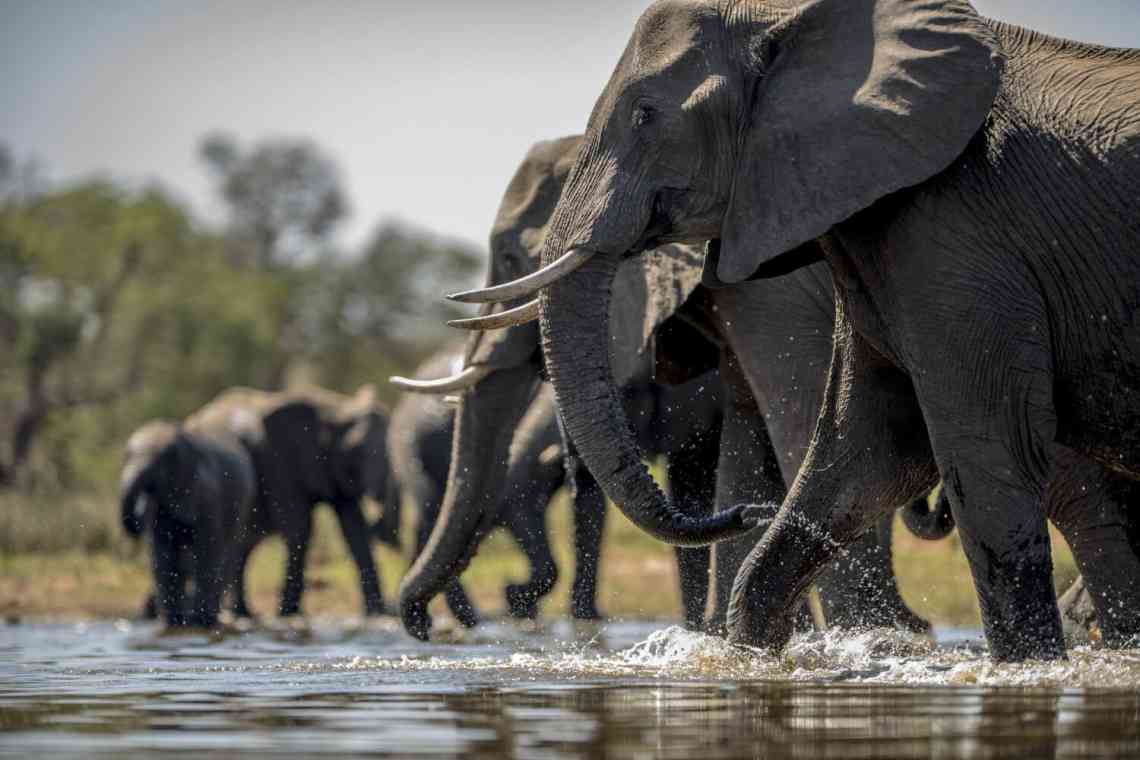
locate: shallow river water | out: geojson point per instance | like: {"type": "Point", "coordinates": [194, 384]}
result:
{"type": "Point", "coordinates": [614, 690]}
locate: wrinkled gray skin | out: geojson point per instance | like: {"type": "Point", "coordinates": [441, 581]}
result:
{"type": "Point", "coordinates": [419, 450]}
{"type": "Point", "coordinates": [190, 489]}
{"type": "Point", "coordinates": [971, 188]}
{"type": "Point", "coordinates": [315, 446]}
{"type": "Point", "coordinates": [676, 420]}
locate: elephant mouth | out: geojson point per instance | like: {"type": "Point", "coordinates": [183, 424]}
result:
{"type": "Point", "coordinates": [679, 215]}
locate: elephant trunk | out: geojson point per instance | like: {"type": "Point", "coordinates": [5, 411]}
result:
{"type": "Point", "coordinates": [484, 426]}
{"type": "Point", "coordinates": [926, 523]}
{"type": "Point", "coordinates": [135, 505]}
{"type": "Point", "coordinates": [576, 338]}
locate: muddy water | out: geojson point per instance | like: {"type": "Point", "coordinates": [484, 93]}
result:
{"type": "Point", "coordinates": [616, 690]}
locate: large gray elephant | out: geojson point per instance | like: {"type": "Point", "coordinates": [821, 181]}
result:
{"type": "Point", "coordinates": [313, 446]}
{"type": "Point", "coordinates": [658, 295]}
{"type": "Point", "coordinates": [971, 189]}
{"type": "Point", "coordinates": [191, 489]}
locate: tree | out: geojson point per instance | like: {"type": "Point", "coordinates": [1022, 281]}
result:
{"type": "Point", "coordinates": [381, 310]}
{"type": "Point", "coordinates": [284, 196]}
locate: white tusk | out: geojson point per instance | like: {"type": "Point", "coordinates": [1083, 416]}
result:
{"type": "Point", "coordinates": [451, 400]}
{"type": "Point", "coordinates": [529, 285]}
{"type": "Point", "coordinates": [464, 379]}
{"type": "Point", "coordinates": [519, 315]}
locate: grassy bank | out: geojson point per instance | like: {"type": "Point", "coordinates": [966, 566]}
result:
{"type": "Point", "coordinates": [68, 560]}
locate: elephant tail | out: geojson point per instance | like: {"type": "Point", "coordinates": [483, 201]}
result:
{"type": "Point", "coordinates": [929, 523]}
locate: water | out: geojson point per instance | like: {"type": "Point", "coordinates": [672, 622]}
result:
{"type": "Point", "coordinates": [616, 690]}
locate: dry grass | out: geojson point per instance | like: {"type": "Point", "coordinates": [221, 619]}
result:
{"type": "Point", "coordinates": [110, 578]}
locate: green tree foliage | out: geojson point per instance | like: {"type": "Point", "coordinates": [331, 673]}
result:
{"type": "Point", "coordinates": [284, 196]}
{"type": "Point", "coordinates": [117, 307]}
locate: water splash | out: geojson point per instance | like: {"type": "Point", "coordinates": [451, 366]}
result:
{"type": "Point", "coordinates": [877, 655]}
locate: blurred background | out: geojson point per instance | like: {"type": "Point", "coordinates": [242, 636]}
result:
{"type": "Point", "coordinates": [200, 195]}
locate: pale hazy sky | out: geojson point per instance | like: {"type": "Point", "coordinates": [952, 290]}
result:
{"type": "Point", "coordinates": [426, 106]}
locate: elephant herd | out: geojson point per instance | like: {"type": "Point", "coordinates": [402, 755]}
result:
{"type": "Point", "coordinates": [821, 256]}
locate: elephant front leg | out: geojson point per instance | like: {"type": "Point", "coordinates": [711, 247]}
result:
{"type": "Point", "coordinates": [526, 520]}
{"type": "Point", "coordinates": [692, 483]}
{"type": "Point", "coordinates": [589, 527]}
{"type": "Point", "coordinates": [297, 546]}
{"type": "Point", "coordinates": [747, 471]}
{"type": "Point", "coordinates": [870, 452]}
{"type": "Point", "coordinates": [354, 528]}
{"type": "Point", "coordinates": [462, 609]}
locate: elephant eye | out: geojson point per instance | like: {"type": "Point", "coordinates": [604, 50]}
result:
{"type": "Point", "coordinates": [643, 115]}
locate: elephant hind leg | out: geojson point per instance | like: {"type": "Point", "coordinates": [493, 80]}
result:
{"type": "Point", "coordinates": [169, 579]}
{"type": "Point", "coordinates": [356, 534]}
{"type": "Point", "coordinates": [1090, 506]}
{"type": "Point", "coordinates": [859, 589]}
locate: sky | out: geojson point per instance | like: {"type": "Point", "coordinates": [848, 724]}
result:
{"type": "Point", "coordinates": [427, 107]}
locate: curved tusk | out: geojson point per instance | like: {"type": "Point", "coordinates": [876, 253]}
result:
{"type": "Point", "coordinates": [529, 285]}
{"type": "Point", "coordinates": [464, 379]}
{"type": "Point", "coordinates": [519, 315]}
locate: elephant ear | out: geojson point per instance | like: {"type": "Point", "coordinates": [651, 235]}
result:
{"type": "Point", "coordinates": [853, 99]}
{"type": "Point", "coordinates": [648, 290]}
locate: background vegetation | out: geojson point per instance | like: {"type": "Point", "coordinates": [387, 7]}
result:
{"type": "Point", "coordinates": [118, 306]}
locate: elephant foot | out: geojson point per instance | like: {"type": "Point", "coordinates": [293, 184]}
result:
{"type": "Point", "coordinates": [375, 608]}
{"type": "Point", "coordinates": [585, 609]}
{"type": "Point", "coordinates": [466, 616]}
{"type": "Point", "coordinates": [522, 603]}
{"type": "Point", "coordinates": [908, 620]}
{"type": "Point", "coordinates": [416, 620]}
{"type": "Point", "coordinates": [149, 609]}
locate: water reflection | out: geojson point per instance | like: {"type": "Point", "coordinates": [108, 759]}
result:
{"type": "Point", "coordinates": [629, 692]}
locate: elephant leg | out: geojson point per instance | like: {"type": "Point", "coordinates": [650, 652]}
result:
{"type": "Point", "coordinates": [457, 599]}
{"type": "Point", "coordinates": [589, 527]}
{"type": "Point", "coordinates": [870, 452]}
{"type": "Point", "coordinates": [859, 590]}
{"type": "Point", "coordinates": [995, 467]}
{"type": "Point", "coordinates": [297, 546]}
{"type": "Point", "coordinates": [209, 570]}
{"type": "Point", "coordinates": [354, 528]}
{"type": "Point", "coordinates": [692, 483]}
{"type": "Point", "coordinates": [149, 609]}
{"type": "Point", "coordinates": [1005, 537]}
{"type": "Point", "coordinates": [527, 523]}
{"type": "Point", "coordinates": [526, 519]}
{"type": "Point", "coordinates": [1089, 505]}
{"type": "Point", "coordinates": [239, 559]}
{"type": "Point", "coordinates": [169, 582]}
{"type": "Point", "coordinates": [747, 472]}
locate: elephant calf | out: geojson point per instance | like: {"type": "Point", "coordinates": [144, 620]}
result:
{"type": "Point", "coordinates": [190, 488]}
{"type": "Point", "coordinates": [314, 446]}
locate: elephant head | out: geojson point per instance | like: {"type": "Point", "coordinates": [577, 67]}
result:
{"type": "Point", "coordinates": [158, 471]}
{"type": "Point", "coordinates": [756, 126]}
{"type": "Point", "coordinates": [502, 366]}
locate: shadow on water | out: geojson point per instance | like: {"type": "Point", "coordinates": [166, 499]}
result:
{"type": "Point", "coordinates": [619, 690]}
